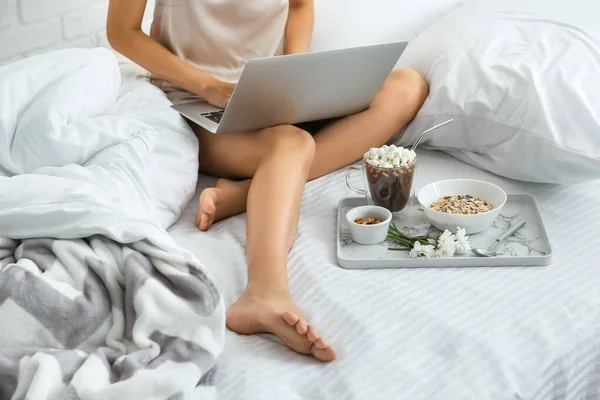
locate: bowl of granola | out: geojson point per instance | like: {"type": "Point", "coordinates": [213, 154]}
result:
{"type": "Point", "coordinates": [369, 224]}
{"type": "Point", "coordinates": [467, 203]}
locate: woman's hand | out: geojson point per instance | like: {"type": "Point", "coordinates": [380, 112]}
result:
{"type": "Point", "coordinates": [217, 92]}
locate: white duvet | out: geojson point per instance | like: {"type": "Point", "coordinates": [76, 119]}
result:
{"type": "Point", "coordinates": [86, 150]}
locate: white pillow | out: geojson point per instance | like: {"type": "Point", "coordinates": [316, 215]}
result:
{"type": "Point", "coordinates": [521, 78]}
{"type": "Point", "coordinates": [349, 23]}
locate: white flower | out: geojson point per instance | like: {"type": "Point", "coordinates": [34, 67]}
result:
{"type": "Point", "coordinates": [446, 245]}
{"type": "Point", "coordinates": [444, 252]}
{"type": "Point", "coordinates": [462, 242]}
{"type": "Point", "coordinates": [425, 251]}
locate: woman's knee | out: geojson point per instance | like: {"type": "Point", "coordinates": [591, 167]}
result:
{"type": "Point", "coordinates": [290, 139]}
{"type": "Point", "coordinates": [410, 85]}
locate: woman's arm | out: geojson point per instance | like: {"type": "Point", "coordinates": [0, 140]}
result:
{"type": "Point", "coordinates": [299, 28]}
{"type": "Point", "coordinates": [125, 35]}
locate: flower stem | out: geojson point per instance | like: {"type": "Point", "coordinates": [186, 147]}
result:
{"type": "Point", "coordinates": [401, 241]}
{"type": "Point", "coordinates": [395, 235]}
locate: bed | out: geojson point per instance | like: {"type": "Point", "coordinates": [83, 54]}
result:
{"type": "Point", "coordinates": [474, 333]}
{"type": "Point", "coordinates": [124, 172]}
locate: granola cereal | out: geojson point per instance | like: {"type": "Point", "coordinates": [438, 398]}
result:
{"type": "Point", "coordinates": [367, 220]}
{"type": "Point", "coordinates": [461, 204]}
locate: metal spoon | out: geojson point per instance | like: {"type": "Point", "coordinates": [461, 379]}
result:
{"type": "Point", "coordinates": [427, 131]}
{"type": "Point", "coordinates": [490, 250]}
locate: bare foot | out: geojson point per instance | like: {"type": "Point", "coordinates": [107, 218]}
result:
{"type": "Point", "coordinates": [280, 316]}
{"type": "Point", "coordinates": [226, 199]}
{"type": "Point", "coordinates": [207, 209]}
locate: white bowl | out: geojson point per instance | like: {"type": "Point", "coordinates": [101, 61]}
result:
{"type": "Point", "coordinates": [369, 234]}
{"type": "Point", "coordinates": [472, 223]}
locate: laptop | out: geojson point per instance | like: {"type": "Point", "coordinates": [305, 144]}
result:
{"type": "Point", "coordinates": [298, 88]}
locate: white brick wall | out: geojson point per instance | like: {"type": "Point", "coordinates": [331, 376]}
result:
{"type": "Point", "coordinates": [29, 27]}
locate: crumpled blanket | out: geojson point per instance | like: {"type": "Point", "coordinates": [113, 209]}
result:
{"type": "Point", "coordinates": [96, 300]}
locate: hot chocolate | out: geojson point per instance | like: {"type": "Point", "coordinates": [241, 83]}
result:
{"type": "Point", "coordinates": [389, 171]}
{"type": "Point", "coordinates": [390, 187]}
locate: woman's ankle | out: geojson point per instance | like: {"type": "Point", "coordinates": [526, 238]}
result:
{"type": "Point", "coordinates": [262, 290]}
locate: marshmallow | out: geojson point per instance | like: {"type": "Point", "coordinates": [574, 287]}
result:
{"type": "Point", "coordinates": [389, 156]}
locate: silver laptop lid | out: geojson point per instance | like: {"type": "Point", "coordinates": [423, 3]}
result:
{"type": "Point", "coordinates": [306, 87]}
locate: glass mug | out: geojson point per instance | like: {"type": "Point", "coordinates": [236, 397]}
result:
{"type": "Point", "coordinates": [391, 188]}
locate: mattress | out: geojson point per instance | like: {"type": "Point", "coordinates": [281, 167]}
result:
{"type": "Point", "coordinates": [459, 333]}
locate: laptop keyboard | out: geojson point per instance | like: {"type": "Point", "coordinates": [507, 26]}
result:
{"type": "Point", "coordinates": [214, 116]}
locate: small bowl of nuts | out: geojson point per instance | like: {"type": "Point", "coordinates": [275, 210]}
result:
{"type": "Point", "coordinates": [369, 224]}
{"type": "Point", "coordinates": [467, 203]}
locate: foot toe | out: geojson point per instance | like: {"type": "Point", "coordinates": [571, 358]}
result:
{"type": "Point", "coordinates": [206, 221]}
{"type": "Point", "coordinates": [321, 344]}
{"type": "Point", "coordinates": [327, 354]}
{"type": "Point", "coordinates": [311, 334]}
{"type": "Point", "coordinates": [301, 327]}
{"type": "Point", "coordinates": [198, 217]}
{"type": "Point", "coordinates": [207, 209]}
{"type": "Point", "coordinates": [291, 318]}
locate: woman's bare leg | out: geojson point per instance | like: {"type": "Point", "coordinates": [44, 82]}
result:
{"type": "Point", "coordinates": [337, 144]}
{"type": "Point", "coordinates": [281, 158]}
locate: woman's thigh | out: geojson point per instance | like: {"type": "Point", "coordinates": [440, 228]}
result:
{"type": "Point", "coordinates": [238, 155]}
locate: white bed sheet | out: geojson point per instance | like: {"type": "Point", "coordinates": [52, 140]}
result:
{"type": "Point", "coordinates": [474, 333]}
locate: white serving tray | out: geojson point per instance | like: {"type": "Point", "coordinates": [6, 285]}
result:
{"type": "Point", "coordinates": [528, 247]}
